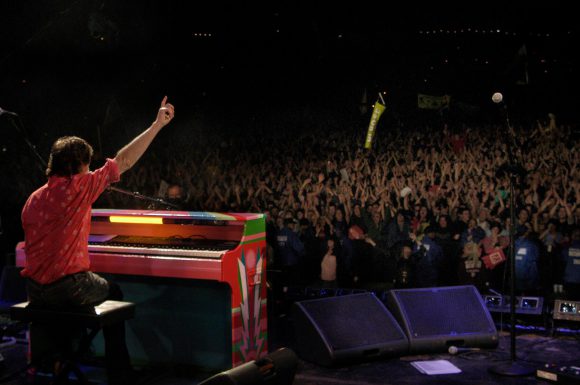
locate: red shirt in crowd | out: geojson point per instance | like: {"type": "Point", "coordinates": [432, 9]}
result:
{"type": "Point", "coordinates": [458, 143]}
{"type": "Point", "coordinates": [56, 220]}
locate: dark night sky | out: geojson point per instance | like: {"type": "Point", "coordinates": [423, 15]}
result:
{"type": "Point", "coordinates": [70, 64]}
{"type": "Point", "coordinates": [289, 53]}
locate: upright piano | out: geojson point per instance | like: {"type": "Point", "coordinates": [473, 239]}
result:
{"type": "Point", "coordinates": [198, 279]}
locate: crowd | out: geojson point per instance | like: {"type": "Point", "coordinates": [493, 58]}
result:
{"type": "Point", "coordinates": [423, 207]}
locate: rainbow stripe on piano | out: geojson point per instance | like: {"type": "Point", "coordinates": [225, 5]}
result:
{"type": "Point", "coordinates": [194, 215]}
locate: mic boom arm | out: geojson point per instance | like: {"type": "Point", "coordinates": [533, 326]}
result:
{"type": "Point", "coordinates": [138, 195]}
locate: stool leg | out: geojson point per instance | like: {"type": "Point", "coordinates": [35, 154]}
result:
{"type": "Point", "coordinates": [85, 343]}
{"type": "Point", "coordinates": [61, 372]}
{"type": "Point", "coordinates": [80, 375]}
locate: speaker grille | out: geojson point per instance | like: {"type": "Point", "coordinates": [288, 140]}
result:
{"type": "Point", "coordinates": [444, 311]}
{"type": "Point", "coordinates": [353, 320]}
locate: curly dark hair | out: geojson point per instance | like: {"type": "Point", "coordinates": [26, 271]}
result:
{"type": "Point", "coordinates": [67, 155]}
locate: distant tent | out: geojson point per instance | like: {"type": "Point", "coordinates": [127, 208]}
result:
{"type": "Point", "coordinates": [430, 102]}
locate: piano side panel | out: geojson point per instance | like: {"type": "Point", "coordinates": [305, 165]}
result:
{"type": "Point", "coordinates": [244, 269]}
{"type": "Point", "coordinates": [20, 254]}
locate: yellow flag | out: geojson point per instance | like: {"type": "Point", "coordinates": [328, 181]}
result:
{"type": "Point", "coordinates": [377, 112]}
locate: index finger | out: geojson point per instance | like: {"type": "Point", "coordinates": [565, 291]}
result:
{"type": "Point", "coordinates": [164, 101]}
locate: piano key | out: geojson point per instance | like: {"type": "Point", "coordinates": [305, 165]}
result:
{"type": "Point", "coordinates": [157, 251]}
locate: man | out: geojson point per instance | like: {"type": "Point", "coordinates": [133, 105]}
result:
{"type": "Point", "coordinates": [429, 258]}
{"type": "Point", "coordinates": [398, 230]}
{"type": "Point", "coordinates": [527, 256]}
{"type": "Point", "coordinates": [405, 276]}
{"type": "Point", "coordinates": [56, 221]}
{"type": "Point", "coordinates": [289, 252]}
{"type": "Point", "coordinates": [175, 196]}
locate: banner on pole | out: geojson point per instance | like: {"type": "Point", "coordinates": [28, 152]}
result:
{"type": "Point", "coordinates": [377, 112]}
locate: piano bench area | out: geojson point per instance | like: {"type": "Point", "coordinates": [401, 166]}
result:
{"type": "Point", "coordinates": [63, 336]}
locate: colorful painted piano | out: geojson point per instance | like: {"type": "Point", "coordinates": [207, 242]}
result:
{"type": "Point", "coordinates": [198, 279]}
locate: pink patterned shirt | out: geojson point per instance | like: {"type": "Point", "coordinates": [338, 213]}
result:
{"type": "Point", "coordinates": [56, 220]}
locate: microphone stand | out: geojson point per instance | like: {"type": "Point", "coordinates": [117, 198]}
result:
{"type": "Point", "coordinates": [20, 129]}
{"type": "Point", "coordinates": [512, 368]}
{"type": "Point", "coordinates": [42, 166]}
{"type": "Point", "coordinates": [138, 195]}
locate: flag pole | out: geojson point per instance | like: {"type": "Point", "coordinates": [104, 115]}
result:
{"type": "Point", "coordinates": [382, 100]}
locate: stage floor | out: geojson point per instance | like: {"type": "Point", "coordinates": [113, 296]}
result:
{"type": "Point", "coordinates": [534, 348]}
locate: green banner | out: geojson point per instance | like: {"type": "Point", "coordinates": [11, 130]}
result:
{"type": "Point", "coordinates": [430, 102]}
{"type": "Point", "coordinates": [377, 112]}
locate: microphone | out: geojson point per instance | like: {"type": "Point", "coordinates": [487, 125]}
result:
{"type": "Point", "coordinates": [497, 98]}
{"type": "Point", "coordinates": [3, 111]}
{"type": "Point", "coordinates": [453, 350]}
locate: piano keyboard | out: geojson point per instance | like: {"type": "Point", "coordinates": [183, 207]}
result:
{"type": "Point", "coordinates": [170, 247]}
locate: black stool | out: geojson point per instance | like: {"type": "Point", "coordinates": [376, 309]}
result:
{"type": "Point", "coordinates": [93, 318]}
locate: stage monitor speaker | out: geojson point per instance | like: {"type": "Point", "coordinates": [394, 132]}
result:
{"type": "Point", "coordinates": [566, 310]}
{"type": "Point", "coordinates": [345, 329]}
{"type": "Point", "coordinates": [277, 368]}
{"type": "Point", "coordinates": [439, 317]}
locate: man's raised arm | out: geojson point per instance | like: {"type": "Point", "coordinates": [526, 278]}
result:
{"type": "Point", "coordinates": [130, 154]}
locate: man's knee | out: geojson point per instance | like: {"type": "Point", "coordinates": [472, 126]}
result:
{"type": "Point", "coordinates": [115, 292]}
